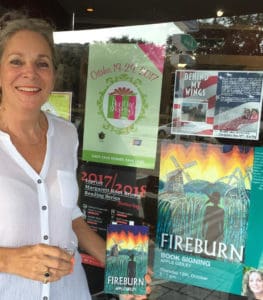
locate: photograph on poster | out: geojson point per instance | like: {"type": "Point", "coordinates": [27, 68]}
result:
{"type": "Point", "coordinates": [194, 112]}
{"type": "Point", "coordinates": [253, 283]}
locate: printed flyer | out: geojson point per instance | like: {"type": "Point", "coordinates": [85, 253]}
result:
{"type": "Point", "coordinates": [109, 194]}
{"type": "Point", "coordinates": [126, 259]}
{"type": "Point", "coordinates": [223, 104]}
{"type": "Point", "coordinates": [59, 104]}
{"type": "Point", "coordinates": [209, 230]}
{"type": "Point", "coordinates": [122, 104]}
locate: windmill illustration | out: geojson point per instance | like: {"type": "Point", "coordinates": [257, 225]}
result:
{"type": "Point", "coordinates": [236, 206]}
{"type": "Point", "coordinates": [237, 185]}
{"type": "Point", "coordinates": [114, 251]}
{"type": "Point", "coordinates": [176, 178]}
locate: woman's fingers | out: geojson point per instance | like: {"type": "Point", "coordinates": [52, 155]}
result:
{"type": "Point", "coordinates": [42, 262]}
{"type": "Point", "coordinates": [148, 290]}
{"type": "Point", "coordinates": [58, 262]}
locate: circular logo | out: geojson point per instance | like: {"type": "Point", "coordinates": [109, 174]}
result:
{"type": "Point", "coordinates": [122, 104]}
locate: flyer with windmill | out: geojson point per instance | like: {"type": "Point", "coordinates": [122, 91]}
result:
{"type": "Point", "coordinates": [126, 259]}
{"type": "Point", "coordinates": [209, 219]}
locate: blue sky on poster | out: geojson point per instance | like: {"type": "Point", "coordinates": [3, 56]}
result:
{"type": "Point", "coordinates": [153, 33]}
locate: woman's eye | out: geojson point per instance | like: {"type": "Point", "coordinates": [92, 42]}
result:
{"type": "Point", "coordinates": [42, 64]}
{"type": "Point", "coordinates": [16, 62]}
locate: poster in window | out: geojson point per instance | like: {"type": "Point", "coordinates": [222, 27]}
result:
{"type": "Point", "coordinates": [224, 104]}
{"type": "Point", "coordinates": [209, 214]}
{"type": "Point", "coordinates": [122, 104]}
{"type": "Point", "coordinates": [59, 104]}
{"type": "Point", "coordinates": [109, 194]}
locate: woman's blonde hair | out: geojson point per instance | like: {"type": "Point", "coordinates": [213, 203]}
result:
{"type": "Point", "coordinates": [14, 21]}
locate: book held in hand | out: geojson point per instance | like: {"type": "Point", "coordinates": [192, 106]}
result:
{"type": "Point", "coordinates": [126, 259]}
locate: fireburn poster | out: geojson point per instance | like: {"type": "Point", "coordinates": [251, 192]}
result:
{"type": "Point", "coordinates": [210, 223]}
{"type": "Point", "coordinates": [122, 104]}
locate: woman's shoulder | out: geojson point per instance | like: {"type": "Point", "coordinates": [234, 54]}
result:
{"type": "Point", "coordinates": [59, 123]}
{"type": "Point", "coordinates": [58, 120]}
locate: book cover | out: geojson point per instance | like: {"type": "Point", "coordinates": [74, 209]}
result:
{"type": "Point", "coordinates": [126, 259]}
{"type": "Point", "coordinates": [209, 222]}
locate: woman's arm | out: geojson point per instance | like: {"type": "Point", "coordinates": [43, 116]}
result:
{"type": "Point", "coordinates": [89, 240]}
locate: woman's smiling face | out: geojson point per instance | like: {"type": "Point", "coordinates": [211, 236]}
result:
{"type": "Point", "coordinates": [256, 283]}
{"type": "Point", "coordinates": [26, 71]}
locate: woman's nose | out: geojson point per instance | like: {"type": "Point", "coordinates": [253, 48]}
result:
{"type": "Point", "coordinates": [29, 70]}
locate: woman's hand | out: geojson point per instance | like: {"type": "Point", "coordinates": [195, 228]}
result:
{"type": "Point", "coordinates": [148, 279]}
{"type": "Point", "coordinates": [38, 262]}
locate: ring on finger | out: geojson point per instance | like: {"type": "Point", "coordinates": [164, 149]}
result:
{"type": "Point", "coordinates": [46, 275]}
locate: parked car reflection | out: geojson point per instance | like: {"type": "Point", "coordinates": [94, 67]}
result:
{"type": "Point", "coordinates": [164, 131]}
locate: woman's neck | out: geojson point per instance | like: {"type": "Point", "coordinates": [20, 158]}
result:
{"type": "Point", "coordinates": [23, 128]}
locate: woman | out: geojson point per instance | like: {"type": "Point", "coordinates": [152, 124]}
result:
{"type": "Point", "coordinates": [253, 284]}
{"type": "Point", "coordinates": [38, 186]}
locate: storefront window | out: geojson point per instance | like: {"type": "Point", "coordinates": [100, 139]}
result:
{"type": "Point", "coordinates": [195, 89]}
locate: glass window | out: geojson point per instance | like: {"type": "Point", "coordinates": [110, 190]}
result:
{"type": "Point", "coordinates": [228, 48]}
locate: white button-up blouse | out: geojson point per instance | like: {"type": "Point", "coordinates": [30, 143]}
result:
{"type": "Point", "coordinates": [39, 208]}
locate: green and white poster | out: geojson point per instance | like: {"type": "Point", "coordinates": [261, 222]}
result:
{"type": "Point", "coordinates": [59, 104]}
{"type": "Point", "coordinates": [122, 104]}
{"type": "Point", "coordinates": [209, 231]}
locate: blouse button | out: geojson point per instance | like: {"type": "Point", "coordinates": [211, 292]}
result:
{"type": "Point", "coordinates": [39, 181]}
{"type": "Point", "coordinates": [44, 207]}
{"type": "Point", "coordinates": [45, 237]}
{"type": "Point", "coordinates": [45, 298]}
